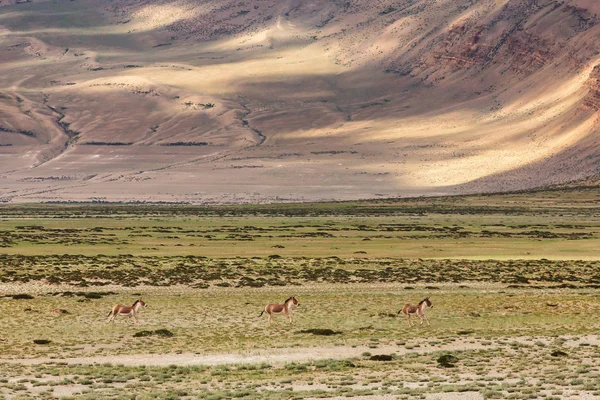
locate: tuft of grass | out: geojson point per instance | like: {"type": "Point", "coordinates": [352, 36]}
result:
{"type": "Point", "coordinates": [157, 332]}
{"type": "Point", "coordinates": [22, 296]}
{"type": "Point", "coordinates": [381, 357]}
{"type": "Point", "coordinates": [321, 332]}
{"type": "Point", "coordinates": [447, 360]}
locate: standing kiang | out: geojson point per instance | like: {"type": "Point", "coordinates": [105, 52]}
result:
{"type": "Point", "coordinates": [286, 309]}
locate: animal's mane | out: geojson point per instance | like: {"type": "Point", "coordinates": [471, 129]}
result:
{"type": "Point", "coordinates": [135, 302]}
{"type": "Point", "coordinates": [422, 301]}
{"type": "Point", "coordinates": [288, 299]}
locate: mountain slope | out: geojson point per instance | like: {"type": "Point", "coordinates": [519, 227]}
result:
{"type": "Point", "coordinates": [222, 101]}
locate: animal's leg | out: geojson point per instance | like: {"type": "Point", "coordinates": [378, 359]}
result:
{"type": "Point", "coordinates": [291, 319]}
{"type": "Point", "coordinates": [408, 319]}
{"type": "Point", "coordinates": [426, 320]}
{"type": "Point", "coordinates": [270, 318]}
{"type": "Point", "coordinates": [111, 315]}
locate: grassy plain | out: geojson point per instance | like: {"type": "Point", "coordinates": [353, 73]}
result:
{"type": "Point", "coordinates": [513, 279]}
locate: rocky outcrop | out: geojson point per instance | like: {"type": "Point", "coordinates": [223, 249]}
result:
{"type": "Point", "coordinates": [520, 38]}
{"type": "Point", "coordinates": [592, 100]}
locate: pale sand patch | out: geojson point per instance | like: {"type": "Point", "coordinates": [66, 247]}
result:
{"type": "Point", "coordinates": [69, 390]}
{"type": "Point", "coordinates": [273, 356]}
{"type": "Point", "coordinates": [375, 397]}
{"type": "Point", "coordinates": [455, 396]}
{"type": "Point", "coordinates": [282, 356]}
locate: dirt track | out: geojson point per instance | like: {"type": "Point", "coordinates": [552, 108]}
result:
{"type": "Point", "coordinates": [274, 357]}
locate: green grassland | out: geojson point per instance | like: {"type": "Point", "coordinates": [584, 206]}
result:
{"type": "Point", "coordinates": [513, 279]}
{"type": "Point", "coordinates": [551, 225]}
{"type": "Point", "coordinates": [224, 320]}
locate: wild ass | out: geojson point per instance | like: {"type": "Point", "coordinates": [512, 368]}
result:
{"type": "Point", "coordinates": [285, 308]}
{"type": "Point", "coordinates": [120, 309]}
{"type": "Point", "coordinates": [419, 310]}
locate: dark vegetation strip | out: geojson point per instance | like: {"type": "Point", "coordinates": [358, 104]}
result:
{"type": "Point", "coordinates": [21, 131]}
{"type": "Point", "coordinates": [185, 144]}
{"type": "Point", "coordinates": [459, 205]}
{"type": "Point", "coordinates": [202, 272]}
{"type": "Point", "coordinates": [94, 143]}
{"type": "Point", "coordinates": [36, 234]}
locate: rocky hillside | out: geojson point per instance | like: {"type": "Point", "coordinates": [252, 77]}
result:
{"type": "Point", "coordinates": [223, 101]}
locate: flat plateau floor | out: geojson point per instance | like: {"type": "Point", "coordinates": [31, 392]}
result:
{"type": "Point", "coordinates": [513, 280]}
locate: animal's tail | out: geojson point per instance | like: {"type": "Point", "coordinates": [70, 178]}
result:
{"type": "Point", "coordinates": [110, 312]}
{"type": "Point", "coordinates": [262, 312]}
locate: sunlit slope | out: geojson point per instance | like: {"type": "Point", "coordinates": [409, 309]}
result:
{"type": "Point", "coordinates": [291, 100]}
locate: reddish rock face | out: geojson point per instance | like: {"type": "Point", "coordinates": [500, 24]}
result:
{"type": "Point", "coordinates": [592, 100]}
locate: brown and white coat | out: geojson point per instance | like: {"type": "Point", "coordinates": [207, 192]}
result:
{"type": "Point", "coordinates": [418, 310]}
{"type": "Point", "coordinates": [127, 311]}
{"type": "Point", "coordinates": [286, 309]}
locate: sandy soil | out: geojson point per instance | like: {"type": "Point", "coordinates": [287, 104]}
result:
{"type": "Point", "coordinates": [273, 357]}
{"type": "Point", "coordinates": [455, 396]}
{"type": "Point", "coordinates": [281, 356]}
{"type": "Point", "coordinates": [437, 396]}
{"type": "Point", "coordinates": [213, 102]}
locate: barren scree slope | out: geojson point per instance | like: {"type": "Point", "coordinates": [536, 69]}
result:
{"type": "Point", "coordinates": [236, 101]}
